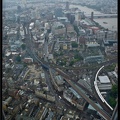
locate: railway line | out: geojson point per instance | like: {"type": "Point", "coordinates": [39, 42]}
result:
{"type": "Point", "coordinates": [71, 83]}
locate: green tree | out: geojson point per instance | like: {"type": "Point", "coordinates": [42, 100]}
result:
{"type": "Point", "coordinates": [114, 91]}
{"type": "Point", "coordinates": [23, 46]}
{"type": "Point", "coordinates": [111, 67]}
{"type": "Point", "coordinates": [62, 63]}
{"type": "Point", "coordinates": [71, 63]}
{"type": "Point", "coordinates": [74, 44]}
{"type": "Point", "coordinates": [61, 53]}
{"type": "Point", "coordinates": [56, 54]}
{"type": "Point", "coordinates": [113, 95]}
{"type": "Point", "coordinates": [78, 57]}
{"type": "Point", "coordinates": [18, 58]}
{"type": "Point", "coordinates": [112, 102]}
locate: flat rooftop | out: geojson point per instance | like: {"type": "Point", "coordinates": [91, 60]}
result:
{"type": "Point", "coordinates": [104, 79]}
{"type": "Point", "coordinates": [92, 52]}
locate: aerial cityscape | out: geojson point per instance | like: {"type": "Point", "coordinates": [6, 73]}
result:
{"type": "Point", "coordinates": [59, 60]}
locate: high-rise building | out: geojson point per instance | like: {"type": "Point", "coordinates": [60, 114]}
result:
{"type": "Point", "coordinates": [67, 5]}
{"type": "Point", "coordinates": [71, 17]}
{"type": "Point", "coordinates": [58, 12]}
{"type": "Point", "coordinates": [77, 18]}
{"type": "Point", "coordinates": [92, 13]}
{"type": "Point", "coordinates": [19, 9]}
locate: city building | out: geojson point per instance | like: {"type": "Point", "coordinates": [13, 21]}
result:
{"type": "Point", "coordinates": [109, 42]}
{"type": "Point", "coordinates": [37, 32]}
{"type": "Point", "coordinates": [70, 16]}
{"type": "Point", "coordinates": [94, 29]}
{"type": "Point", "coordinates": [67, 5]}
{"type": "Point", "coordinates": [74, 98]}
{"type": "Point", "coordinates": [100, 35]}
{"type": "Point", "coordinates": [44, 95]}
{"type": "Point", "coordinates": [92, 15]}
{"type": "Point", "coordinates": [82, 40]}
{"type": "Point", "coordinates": [111, 50]}
{"type": "Point", "coordinates": [59, 80]}
{"type": "Point", "coordinates": [78, 16]}
{"type": "Point", "coordinates": [69, 28]}
{"type": "Point", "coordinates": [98, 58]}
{"type": "Point", "coordinates": [104, 83]}
{"type": "Point", "coordinates": [92, 44]}
{"type": "Point", "coordinates": [110, 35]}
{"type": "Point", "coordinates": [58, 28]}
{"type": "Point", "coordinates": [63, 19]}
{"type": "Point", "coordinates": [93, 54]}
{"type": "Point", "coordinates": [28, 60]}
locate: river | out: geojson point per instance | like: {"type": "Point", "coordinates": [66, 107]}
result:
{"type": "Point", "coordinates": [112, 23]}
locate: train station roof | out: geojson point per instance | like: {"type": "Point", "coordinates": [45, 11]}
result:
{"type": "Point", "coordinates": [104, 79]}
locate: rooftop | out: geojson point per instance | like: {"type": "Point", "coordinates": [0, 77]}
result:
{"type": "Point", "coordinates": [92, 52]}
{"type": "Point", "coordinates": [104, 79]}
{"type": "Point", "coordinates": [59, 80]}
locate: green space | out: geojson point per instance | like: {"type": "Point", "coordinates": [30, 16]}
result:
{"type": "Point", "coordinates": [78, 57]}
{"type": "Point", "coordinates": [23, 46]}
{"type": "Point", "coordinates": [110, 67]}
{"type": "Point", "coordinates": [74, 44]}
{"type": "Point", "coordinates": [56, 54]}
{"type": "Point", "coordinates": [61, 62]}
{"type": "Point", "coordinates": [112, 96]}
{"type": "Point", "coordinates": [18, 58]}
{"type": "Point", "coordinates": [71, 63]}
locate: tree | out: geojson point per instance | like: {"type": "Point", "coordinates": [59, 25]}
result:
{"type": "Point", "coordinates": [114, 91]}
{"type": "Point", "coordinates": [62, 63]}
{"type": "Point", "coordinates": [113, 95]}
{"type": "Point", "coordinates": [111, 67]}
{"type": "Point", "coordinates": [18, 58]}
{"type": "Point", "coordinates": [74, 44]}
{"type": "Point", "coordinates": [71, 63]}
{"type": "Point", "coordinates": [23, 46]}
{"type": "Point", "coordinates": [56, 54]}
{"type": "Point", "coordinates": [112, 102]}
{"type": "Point", "coordinates": [78, 57]}
{"type": "Point", "coordinates": [61, 53]}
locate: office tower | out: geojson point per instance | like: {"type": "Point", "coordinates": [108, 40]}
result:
{"type": "Point", "coordinates": [67, 5]}
{"type": "Point", "coordinates": [92, 13]}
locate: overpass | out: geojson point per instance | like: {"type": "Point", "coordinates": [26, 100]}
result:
{"type": "Point", "coordinates": [115, 113]}
{"type": "Point", "coordinates": [98, 91]}
{"type": "Point", "coordinates": [75, 87]}
{"type": "Point", "coordinates": [102, 15]}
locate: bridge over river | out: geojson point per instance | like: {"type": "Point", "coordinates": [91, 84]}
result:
{"type": "Point", "coordinates": [102, 15]}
